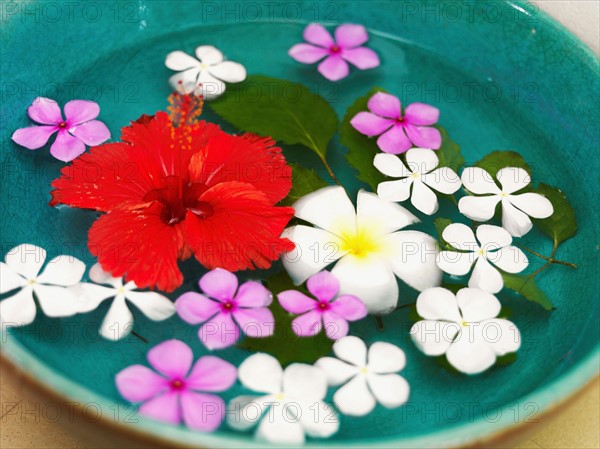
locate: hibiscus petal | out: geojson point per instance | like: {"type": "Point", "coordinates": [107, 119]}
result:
{"type": "Point", "coordinates": [335, 326]}
{"type": "Point", "coordinates": [478, 208]}
{"type": "Point", "coordinates": [391, 165]}
{"type": "Point", "coordinates": [26, 259]}
{"type": "Point", "coordinates": [154, 305]}
{"type": "Point", "coordinates": [45, 111]}
{"type": "Point", "coordinates": [460, 236]}
{"type": "Point", "coordinates": [164, 408]}
{"type": "Point", "coordinates": [317, 34]}
{"type": "Point", "coordinates": [262, 373]}
{"type": "Point", "coordinates": [295, 302]}
{"type": "Point", "coordinates": [18, 309]}
{"type": "Point", "coordinates": [337, 371]}
{"type": "Point", "coordinates": [486, 277]}
{"type": "Point", "coordinates": [334, 68]}
{"type": "Point", "coordinates": [510, 259]}
{"type": "Point", "coordinates": [33, 137]}
{"type": "Point", "coordinates": [280, 427]}
{"type": "Point", "coordinates": [62, 270]}
{"type": "Point", "coordinates": [323, 286]}
{"type": "Point", "coordinates": [308, 324]}
{"type": "Point", "coordinates": [477, 305]}
{"type": "Point", "coordinates": [513, 179]}
{"type": "Point", "coordinates": [424, 136]}
{"type": "Point", "coordinates": [209, 55]}
{"type": "Point", "coordinates": [118, 322]}
{"type": "Point", "coordinates": [478, 181]}
{"type": "Point", "coordinates": [438, 304]}
{"type": "Point", "coordinates": [219, 284]}
{"type": "Point", "coordinates": [91, 133]}
{"type": "Point", "coordinates": [421, 160]}
{"type": "Point", "coordinates": [66, 147]}
{"type": "Point", "coordinates": [381, 215]}
{"type": "Point", "coordinates": [362, 58]}
{"type": "Point", "coordinates": [194, 308]}
{"type": "Point", "coordinates": [421, 114]}
{"type": "Point", "coordinates": [395, 191]}
{"type": "Point", "coordinates": [56, 301]}
{"type": "Point", "coordinates": [423, 198]}
{"type": "Point", "coordinates": [203, 412]}
{"type": "Point", "coordinates": [501, 335]}
{"type": "Point", "coordinates": [307, 54]}
{"type": "Point", "coordinates": [178, 60]}
{"type": "Point", "coordinates": [138, 383]}
{"type": "Point", "coordinates": [514, 221]}
{"type": "Point", "coordinates": [349, 307]}
{"type": "Point", "coordinates": [211, 373]}
{"type": "Point", "coordinates": [370, 124]}
{"type": "Point", "coordinates": [253, 294]}
{"type": "Point", "coordinates": [173, 358]}
{"type": "Point", "coordinates": [492, 237]}
{"type": "Point", "coordinates": [385, 358]}
{"type": "Point", "coordinates": [81, 111]}
{"type": "Point", "coordinates": [469, 355]}
{"type": "Point", "coordinates": [433, 338]}
{"type": "Point", "coordinates": [209, 86]}
{"type": "Point", "coordinates": [444, 180]}
{"type": "Point", "coordinates": [350, 35]}
{"type": "Point", "coordinates": [354, 398]}
{"type": "Point", "coordinates": [352, 350]}
{"type": "Point", "coordinates": [332, 199]}
{"type": "Point", "coordinates": [220, 332]}
{"type": "Point", "coordinates": [257, 322]}
{"type": "Point", "coordinates": [533, 204]}
{"type": "Point", "coordinates": [10, 279]}
{"type": "Point", "coordinates": [394, 141]}
{"type": "Point", "coordinates": [390, 390]}
{"type": "Point", "coordinates": [455, 263]}
{"type": "Point", "coordinates": [385, 105]}
{"type": "Point", "coordinates": [304, 382]}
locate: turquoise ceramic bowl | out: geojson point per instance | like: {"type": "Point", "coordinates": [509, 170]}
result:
{"type": "Point", "coordinates": [504, 75]}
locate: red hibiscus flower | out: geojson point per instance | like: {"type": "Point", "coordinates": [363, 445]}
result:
{"type": "Point", "coordinates": [176, 187]}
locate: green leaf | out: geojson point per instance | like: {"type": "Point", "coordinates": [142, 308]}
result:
{"type": "Point", "coordinates": [449, 153]}
{"type": "Point", "coordinates": [528, 288]}
{"type": "Point", "coordinates": [441, 224]}
{"type": "Point", "coordinates": [288, 112]}
{"type": "Point", "coordinates": [284, 344]}
{"type": "Point", "coordinates": [361, 149]}
{"type": "Point", "coordinates": [304, 181]}
{"type": "Point", "coordinates": [562, 224]}
{"type": "Point", "coordinates": [500, 159]}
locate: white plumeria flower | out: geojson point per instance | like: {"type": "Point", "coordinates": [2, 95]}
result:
{"type": "Point", "coordinates": [118, 322]}
{"type": "Point", "coordinates": [493, 244]}
{"type": "Point", "coordinates": [206, 75]}
{"type": "Point", "coordinates": [291, 407]}
{"type": "Point", "coordinates": [21, 272]}
{"type": "Point", "coordinates": [422, 174]}
{"type": "Point", "coordinates": [368, 377]}
{"type": "Point", "coordinates": [464, 327]}
{"type": "Point", "coordinates": [369, 250]}
{"type": "Point", "coordinates": [516, 209]}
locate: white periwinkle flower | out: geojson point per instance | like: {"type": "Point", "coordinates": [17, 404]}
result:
{"type": "Point", "coordinates": [21, 272]}
{"type": "Point", "coordinates": [422, 174]}
{"type": "Point", "coordinates": [206, 75]}
{"type": "Point", "coordinates": [516, 208]}
{"type": "Point", "coordinates": [493, 244]}
{"type": "Point", "coordinates": [292, 404]}
{"type": "Point", "coordinates": [118, 322]}
{"type": "Point", "coordinates": [464, 327]}
{"type": "Point", "coordinates": [368, 377]}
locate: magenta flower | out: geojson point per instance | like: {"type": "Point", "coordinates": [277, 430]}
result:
{"type": "Point", "coordinates": [224, 311]}
{"type": "Point", "coordinates": [398, 133]}
{"type": "Point", "coordinates": [337, 53]}
{"type": "Point", "coordinates": [74, 133]}
{"type": "Point", "coordinates": [326, 309]}
{"type": "Point", "coordinates": [175, 393]}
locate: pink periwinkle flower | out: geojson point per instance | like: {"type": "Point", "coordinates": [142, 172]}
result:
{"type": "Point", "coordinates": [328, 309]}
{"type": "Point", "coordinates": [398, 133]}
{"type": "Point", "coordinates": [337, 53]}
{"type": "Point", "coordinates": [176, 393]}
{"type": "Point", "coordinates": [76, 131]}
{"type": "Point", "coordinates": [224, 312]}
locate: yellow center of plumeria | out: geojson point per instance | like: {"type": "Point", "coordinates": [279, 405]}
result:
{"type": "Point", "coordinates": [503, 194]}
{"type": "Point", "coordinates": [364, 370]}
{"type": "Point", "coordinates": [202, 66]}
{"type": "Point", "coordinates": [481, 252]}
{"type": "Point", "coordinates": [121, 290]}
{"type": "Point", "coordinates": [415, 175]}
{"type": "Point", "coordinates": [31, 282]}
{"type": "Point", "coordinates": [361, 243]}
{"type": "Point", "coordinates": [279, 397]}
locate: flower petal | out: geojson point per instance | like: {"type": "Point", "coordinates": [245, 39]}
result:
{"type": "Point", "coordinates": [514, 221]}
{"type": "Point", "coordinates": [118, 322]}
{"type": "Point", "coordinates": [396, 191]}
{"type": "Point", "coordinates": [220, 332]}
{"type": "Point", "coordinates": [45, 111]}
{"type": "Point", "coordinates": [219, 284]}
{"type": "Point", "coordinates": [391, 165]}
{"type": "Point", "coordinates": [533, 204]}
{"type": "Point", "coordinates": [478, 181]}
{"type": "Point", "coordinates": [154, 305]}
{"type": "Point", "coordinates": [10, 279]}
{"type": "Point", "coordinates": [243, 412]}
{"type": "Point", "coordinates": [486, 277]}
{"type": "Point", "coordinates": [385, 358]}
{"type": "Point", "coordinates": [385, 105]}
{"type": "Point", "coordinates": [421, 160]}
{"type": "Point", "coordinates": [18, 309]}
{"type": "Point", "coordinates": [179, 61]}
{"type": "Point", "coordinates": [92, 133]}
{"type": "Point", "coordinates": [370, 124]}
{"type": "Point", "coordinates": [444, 180]}
{"type": "Point", "coordinates": [362, 58]}
{"type": "Point", "coordinates": [352, 350]}
{"type": "Point", "coordinates": [438, 304]}
{"type": "Point", "coordinates": [501, 335]}
{"type": "Point", "coordinates": [423, 198]}
{"type": "Point", "coordinates": [335, 326]}
{"type": "Point", "coordinates": [470, 355]}
{"type": "Point", "coordinates": [334, 68]}
{"type": "Point", "coordinates": [211, 373]}
{"type": "Point", "coordinates": [390, 390]}
{"type": "Point", "coordinates": [414, 258]}
{"type": "Point", "coordinates": [257, 322]}
{"type": "Point", "coordinates": [394, 141]}
{"type": "Point", "coordinates": [513, 179]}
{"type": "Point", "coordinates": [354, 398]}
{"type": "Point", "coordinates": [424, 136]}
{"type": "Point", "coordinates": [308, 324]}
{"type": "Point", "coordinates": [186, 81]}
{"type": "Point", "coordinates": [460, 236]}
{"type": "Point", "coordinates": [380, 215]}
{"type": "Point", "coordinates": [307, 54]}
{"type": "Point", "coordinates": [323, 286]}
{"type": "Point", "coordinates": [164, 408]}
{"type": "Point", "coordinates": [433, 338]}
{"type": "Point", "coordinates": [337, 371]}
{"type": "Point", "coordinates": [78, 112]}
{"type": "Point", "coordinates": [478, 208]}
{"type": "Point", "coordinates": [477, 305]}
{"type": "Point", "coordinates": [228, 71]}
{"type": "Point", "coordinates": [253, 294]}
{"type": "Point", "coordinates": [349, 307]}
{"type": "Point", "coordinates": [66, 147]}
{"type": "Point", "coordinates": [492, 237]}
{"type": "Point", "coordinates": [99, 276]}
{"type": "Point", "coordinates": [56, 301]}
{"type": "Point", "coordinates": [317, 34]}
{"type": "Point", "coordinates": [173, 358]}
{"type": "Point", "coordinates": [26, 259]}
{"type": "Point", "coordinates": [304, 382]}
{"type": "Point", "coordinates": [510, 259]}
{"type": "Point", "coordinates": [296, 302]}
{"type": "Point", "coordinates": [89, 296]}
{"type": "Point", "coordinates": [209, 55]}
{"type": "Point", "coordinates": [455, 263]}
{"type": "Point", "coordinates": [318, 419]}
{"type": "Point", "coordinates": [139, 383]}
{"type": "Point", "coordinates": [203, 412]}
{"type": "Point", "coordinates": [326, 207]}
{"type": "Point", "coordinates": [261, 372]}
{"type": "Point", "coordinates": [421, 114]}
{"type": "Point", "coordinates": [62, 270]}
{"type": "Point", "coordinates": [280, 427]}
{"type": "Point", "coordinates": [194, 308]}
{"type": "Point", "coordinates": [33, 137]}
{"type": "Point", "coordinates": [209, 86]}
{"type": "Point", "coordinates": [349, 35]}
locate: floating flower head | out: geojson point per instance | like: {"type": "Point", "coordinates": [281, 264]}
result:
{"type": "Point", "coordinates": [20, 274]}
{"type": "Point", "coordinates": [226, 310]}
{"type": "Point", "coordinates": [516, 208]}
{"type": "Point", "coordinates": [368, 377]}
{"type": "Point", "coordinates": [118, 322]}
{"type": "Point", "coordinates": [421, 173]}
{"type": "Point", "coordinates": [205, 76]}
{"type": "Point", "coordinates": [491, 247]}
{"type": "Point", "coordinates": [345, 48]}
{"type": "Point", "coordinates": [329, 310]}
{"type": "Point", "coordinates": [176, 188]}
{"type": "Point", "coordinates": [176, 393]}
{"type": "Point", "coordinates": [291, 405]}
{"type": "Point", "coordinates": [366, 243]}
{"type": "Point", "coordinates": [464, 327]}
{"type": "Point", "coordinates": [78, 129]}
{"type": "Point", "coordinates": [397, 132]}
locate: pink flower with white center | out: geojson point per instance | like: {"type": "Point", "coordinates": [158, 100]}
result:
{"type": "Point", "coordinates": [346, 48]}
{"type": "Point", "coordinates": [328, 309]}
{"type": "Point", "coordinates": [398, 133]}
{"type": "Point", "coordinates": [176, 393]}
{"type": "Point", "coordinates": [76, 131]}
{"type": "Point", "coordinates": [224, 312]}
